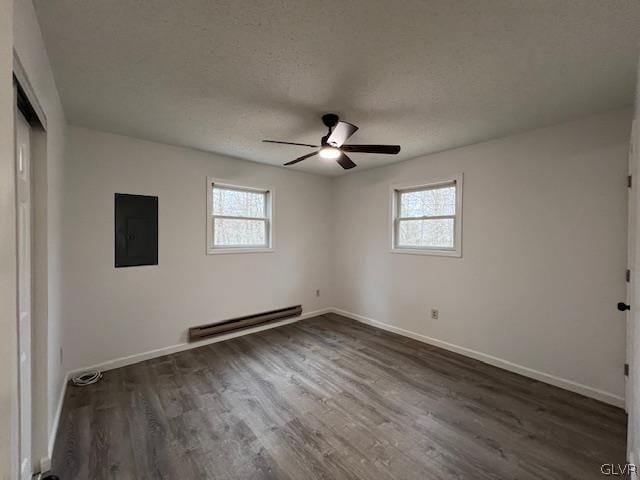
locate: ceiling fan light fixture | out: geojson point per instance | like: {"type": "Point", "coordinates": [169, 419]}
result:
{"type": "Point", "coordinates": [330, 153]}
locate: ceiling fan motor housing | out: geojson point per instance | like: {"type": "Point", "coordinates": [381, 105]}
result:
{"type": "Point", "coordinates": [330, 119]}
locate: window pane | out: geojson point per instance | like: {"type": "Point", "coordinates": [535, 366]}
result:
{"type": "Point", "coordinates": [237, 232]}
{"type": "Point", "coordinates": [428, 203]}
{"type": "Point", "coordinates": [437, 233]}
{"type": "Point", "coordinates": [238, 203]}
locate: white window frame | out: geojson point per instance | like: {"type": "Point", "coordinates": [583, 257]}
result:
{"type": "Point", "coordinates": [396, 190]}
{"type": "Point", "coordinates": [269, 201]}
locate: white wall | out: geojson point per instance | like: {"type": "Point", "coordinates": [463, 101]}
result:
{"type": "Point", "coordinates": [544, 253]}
{"type": "Point", "coordinates": [48, 153]}
{"type": "Point", "coordinates": [112, 313]}
{"type": "Point", "coordinates": [8, 307]}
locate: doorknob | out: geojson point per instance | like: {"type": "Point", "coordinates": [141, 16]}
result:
{"type": "Point", "coordinates": [623, 306]}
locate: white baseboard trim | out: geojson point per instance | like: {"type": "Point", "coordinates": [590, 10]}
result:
{"type": "Point", "coordinates": [141, 357]}
{"type": "Point", "coordinates": [45, 463]}
{"type": "Point", "coordinates": [570, 385]}
{"type": "Point", "coordinates": [483, 357]}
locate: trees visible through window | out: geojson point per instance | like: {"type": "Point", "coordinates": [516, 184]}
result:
{"type": "Point", "coordinates": [240, 218]}
{"type": "Point", "coordinates": [427, 218]}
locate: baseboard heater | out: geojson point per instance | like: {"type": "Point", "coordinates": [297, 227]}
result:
{"type": "Point", "coordinates": [226, 326]}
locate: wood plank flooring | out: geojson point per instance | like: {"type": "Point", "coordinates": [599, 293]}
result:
{"type": "Point", "coordinates": [330, 398]}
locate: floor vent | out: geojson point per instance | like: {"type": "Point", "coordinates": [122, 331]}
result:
{"type": "Point", "coordinates": [212, 329]}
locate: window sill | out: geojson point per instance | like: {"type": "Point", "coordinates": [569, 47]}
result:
{"type": "Point", "coordinates": [418, 251]}
{"type": "Point", "coordinates": [228, 251]}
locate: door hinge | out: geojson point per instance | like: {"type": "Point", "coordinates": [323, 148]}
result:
{"type": "Point", "coordinates": [629, 181]}
{"type": "Point", "coordinates": [627, 275]}
{"type": "Point", "coordinates": [626, 369]}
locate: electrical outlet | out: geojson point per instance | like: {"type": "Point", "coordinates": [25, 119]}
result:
{"type": "Point", "coordinates": [317, 293]}
{"type": "Point", "coordinates": [435, 313]}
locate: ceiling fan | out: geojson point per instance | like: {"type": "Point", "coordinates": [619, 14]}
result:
{"type": "Point", "coordinates": [332, 144]}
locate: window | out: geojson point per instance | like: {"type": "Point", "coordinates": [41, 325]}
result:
{"type": "Point", "coordinates": [427, 218]}
{"type": "Point", "coordinates": [239, 219]}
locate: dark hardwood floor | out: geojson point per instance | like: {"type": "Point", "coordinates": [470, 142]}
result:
{"type": "Point", "coordinates": [330, 398]}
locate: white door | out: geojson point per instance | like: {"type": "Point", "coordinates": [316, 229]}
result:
{"type": "Point", "coordinates": [23, 206]}
{"type": "Point", "coordinates": [633, 299]}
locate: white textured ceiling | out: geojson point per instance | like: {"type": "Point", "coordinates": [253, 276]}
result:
{"type": "Point", "coordinates": [428, 75]}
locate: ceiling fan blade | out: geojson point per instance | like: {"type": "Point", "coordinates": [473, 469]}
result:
{"type": "Point", "coordinates": [345, 162]}
{"type": "Point", "coordinates": [291, 143]}
{"type": "Point", "coordinates": [386, 149]}
{"type": "Point", "coordinates": [299, 159]}
{"type": "Point", "coordinates": [340, 133]}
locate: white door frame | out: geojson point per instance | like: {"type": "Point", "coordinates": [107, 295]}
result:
{"type": "Point", "coordinates": [25, 294]}
{"type": "Point", "coordinates": [632, 393]}
{"type": "Point", "coordinates": [631, 254]}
